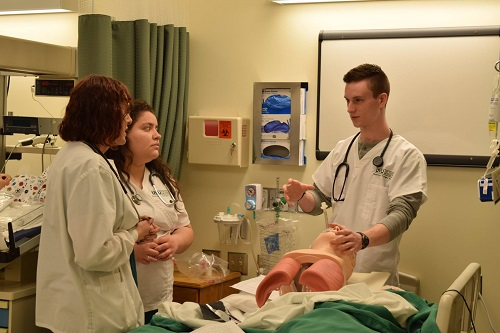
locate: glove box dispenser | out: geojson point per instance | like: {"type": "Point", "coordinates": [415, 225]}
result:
{"type": "Point", "coordinates": [218, 140]}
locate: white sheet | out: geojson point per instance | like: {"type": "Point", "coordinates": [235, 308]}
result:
{"type": "Point", "coordinates": [273, 314]}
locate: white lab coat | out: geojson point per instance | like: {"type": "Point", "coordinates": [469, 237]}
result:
{"type": "Point", "coordinates": [156, 279]}
{"type": "Point", "coordinates": [84, 279]}
{"type": "Point", "coordinates": [368, 192]}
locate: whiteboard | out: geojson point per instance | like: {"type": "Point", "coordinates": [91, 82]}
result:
{"type": "Point", "coordinates": [441, 84]}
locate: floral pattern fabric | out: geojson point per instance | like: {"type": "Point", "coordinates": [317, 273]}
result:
{"type": "Point", "coordinates": [27, 188]}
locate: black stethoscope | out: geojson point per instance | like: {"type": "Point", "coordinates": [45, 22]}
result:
{"type": "Point", "coordinates": [96, 150]}
{"type": "Point", "coordinates": [378, 161]}
{"type": "Point", "coordinates": [137, 199]}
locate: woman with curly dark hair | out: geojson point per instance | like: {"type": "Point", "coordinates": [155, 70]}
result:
{"type": "Point", "coordinates": [89, 224]}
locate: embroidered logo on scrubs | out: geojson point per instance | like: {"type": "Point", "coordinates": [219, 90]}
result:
{"type": "Point", "coordinates": [160, 192]}
{"type": "Point", "coordinates": [387, 174]}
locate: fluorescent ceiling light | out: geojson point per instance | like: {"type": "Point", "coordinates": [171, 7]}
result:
{"type": "Point", "coordinates": [284, 2]}
{"type": "Point", "coordinates": [13, 7]}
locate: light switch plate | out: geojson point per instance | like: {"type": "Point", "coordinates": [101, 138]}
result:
{"type": "Point", "coordinates": [238, 262]}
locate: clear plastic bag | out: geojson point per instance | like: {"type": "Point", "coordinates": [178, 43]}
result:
{"type": "Point", "coordinates": [203, 266]}
{"type": "Point", "coordinates": [5, 200]}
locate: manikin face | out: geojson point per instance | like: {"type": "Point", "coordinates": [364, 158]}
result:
{"type": "Point", "coordinates": [143, 138]}
{"type": "Point", "coordinates": [365, 110]}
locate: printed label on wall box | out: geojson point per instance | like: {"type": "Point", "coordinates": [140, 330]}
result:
{"type": "Point", "coordinates": [276, 101]}
{"type": "Point", "coordinates": [225, 129]}
{"type": "Point", "coordinates": [276, 113]}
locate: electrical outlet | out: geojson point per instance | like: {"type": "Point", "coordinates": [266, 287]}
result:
{"type": "Point", "coordinates": [238, 262]}
{"type": "Point", "coordinates": [209, 252]}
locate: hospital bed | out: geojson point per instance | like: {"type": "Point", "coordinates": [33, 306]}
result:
{"type": "Point", "coordinates": [456, 314]}
{"type": "Point", "coordinates": [17, 59]}
{"type": "Point", "coordinates": [20, 227]}
{"type": "Point", "coordinates": [302, 311]}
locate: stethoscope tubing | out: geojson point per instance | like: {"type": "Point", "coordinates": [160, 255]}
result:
{"type": "Point", "coordinates": [137, 199]}
{"type": "Point", "coordinates": [378, 161]}
{"type": "Point", "coordinates": [172, 200]}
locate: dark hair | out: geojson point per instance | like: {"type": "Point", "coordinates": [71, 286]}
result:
{"type": "Point", "coordinates": [377, 80]}
{"type": "Point", "coordinates": [122, 156]}
{"type": "Point", "coordinates": [95, 110]}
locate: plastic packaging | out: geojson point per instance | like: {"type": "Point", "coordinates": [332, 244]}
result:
{"type": "Point", "coordinates": [203, 266]}
{"type": "Point", "coordinates": [494, 112]}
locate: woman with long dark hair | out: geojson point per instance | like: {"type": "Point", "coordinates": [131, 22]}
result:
{"type": "Point", "coordinates": [155, 193]}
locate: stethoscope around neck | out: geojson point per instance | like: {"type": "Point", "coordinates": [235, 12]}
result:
{"type": "Point", "coordinates": [137, 198]}
{"type": "Point", "coordinates": [377, 161]}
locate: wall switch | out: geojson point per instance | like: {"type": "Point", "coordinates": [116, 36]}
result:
{"type": "Point", "coordinates": [238, 262]}
{"type": "Point", "coordinates": [209, 252]}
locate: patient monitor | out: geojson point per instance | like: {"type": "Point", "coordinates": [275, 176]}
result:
{"type": "Point", "coordinates": [30, 125]}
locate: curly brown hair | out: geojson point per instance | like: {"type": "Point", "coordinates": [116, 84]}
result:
{"type": "Point", "coordinates": [122, 156]}
{"type": "Point", "coordinates": [95, 110]}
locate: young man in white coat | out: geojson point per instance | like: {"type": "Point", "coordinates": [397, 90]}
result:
{"type": "Point", "coordinates": [375, 180]}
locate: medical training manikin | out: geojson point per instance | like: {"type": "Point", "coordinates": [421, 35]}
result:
{"type": "Point", "coordinates": [318, 268]}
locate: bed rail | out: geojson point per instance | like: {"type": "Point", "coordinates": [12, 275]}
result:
{"type": "Point", "coordinates": [457, 305]}
{"type": "Point", "coordinates": [409, 282]}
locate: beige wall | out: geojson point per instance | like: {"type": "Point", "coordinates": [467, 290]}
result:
{"type": "Point", "coordinates": [235, 43]}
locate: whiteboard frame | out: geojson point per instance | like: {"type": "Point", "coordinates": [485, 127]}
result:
{"type": "Point", "coordinates": [432, 159]}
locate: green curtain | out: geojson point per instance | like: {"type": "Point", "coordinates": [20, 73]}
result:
{"type": "Point", "coordinates": [152, 60]}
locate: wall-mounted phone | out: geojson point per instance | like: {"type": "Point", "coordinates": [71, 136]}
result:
{"type": "Point", "coordinates": [253, 196]}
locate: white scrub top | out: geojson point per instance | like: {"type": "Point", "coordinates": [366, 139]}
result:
{"type": "Point", "coordinates": [156, 279]}
{"type": "Point", "coordinates": [84, 279]}
{"type": "Point", "coordinates": [368, 192]}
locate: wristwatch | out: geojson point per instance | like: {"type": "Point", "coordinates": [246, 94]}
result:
{"type": "Point", "coordinates": [364, 240]}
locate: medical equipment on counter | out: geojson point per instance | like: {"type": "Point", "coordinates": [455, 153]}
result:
{"type": "Point", "coordinates": [253, 196]}
{"type": "Point", "coordinates": [231, 228]}
{"type": "Point", "coordinates": [30, 125]}
{"type": "Point", "coordinates": [38, 144]}
{"type": "Point", "coordinates": [378, 161]}
{"type": "Point", "coordinates": [39, 139]}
